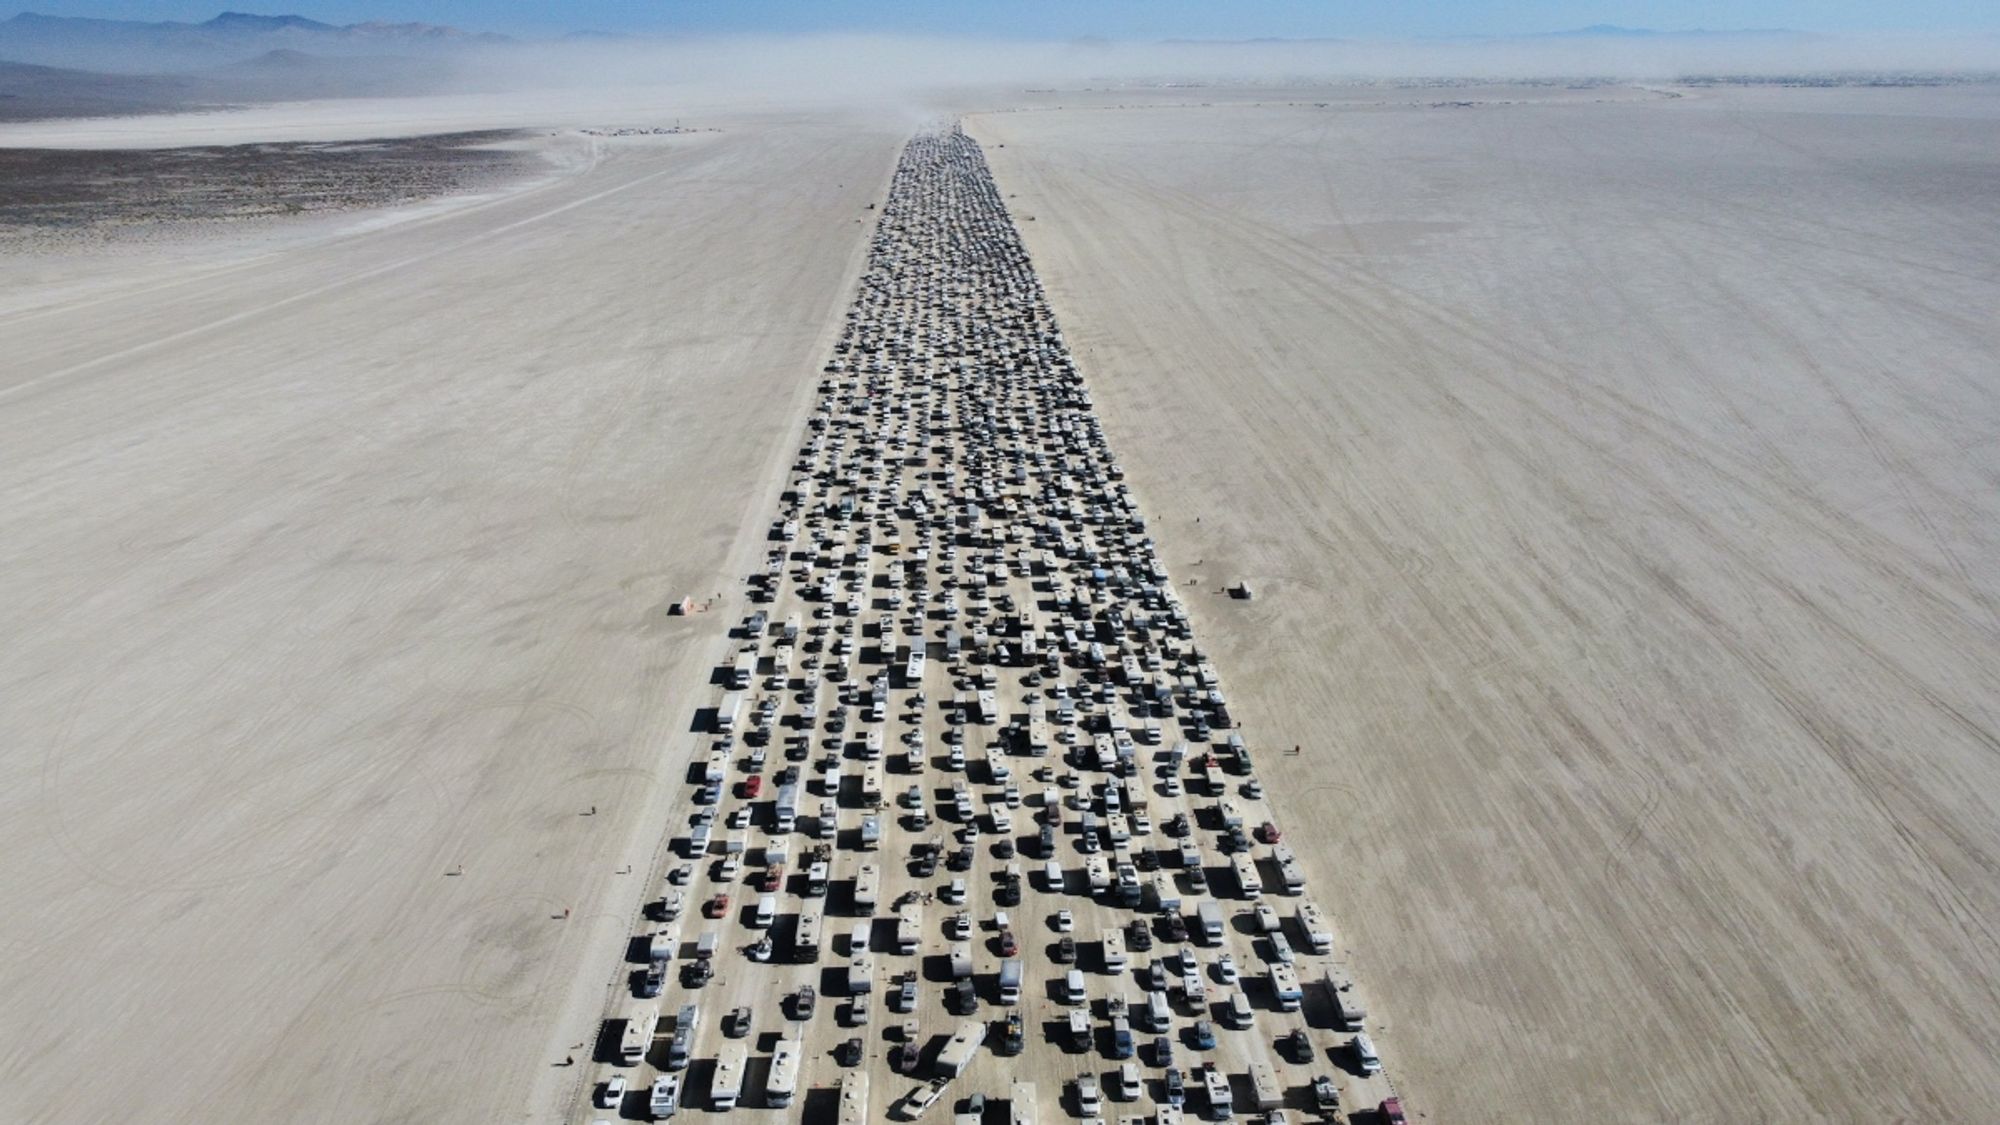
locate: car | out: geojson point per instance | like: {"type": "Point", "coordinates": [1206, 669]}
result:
{"type": "Point", "coordinates": [611, 1092]}
{"type": "Point", "coordinates": [652, 980]}
{"type": "Point", "coordinates": [717, 906]}
{"type": "Point", "coordinates": [1177, 927]}
{"type": "Point", "coordinates": [1066, 950]}
{"type": "Point", "coordinates": [681, 875]}
{"type": "Point", "coordinates": [1008, 946]}
{"type": "Point", "coordinates": [1253, 789]}
{"type": "Point", "coordinates": [1121, 1039]}
{"type": "Point", "coordinates": [1268, 833]}
{"type": "Point", "coordinates": [1297, 1045]}
{"type": "Point", "coordinates": [1225, 968]}
{"type": "Point", "coordinates": [1009, 893]}
{"type": "Point", "coordinates": [1390, 1112]}
{"type": "Point", "coordinates": [1138, 937]}
{"type": "Point", "coordinates": [1365, 1059]}
{"type": "Point", "coordinates": [1203, 1035]}
{"type": "Point", "coordinates": [849, 1053]}
{"type": "Point", "coordinates": [964, 1001]}
{"type": "Point", "coordinates": [1005, 848]}
{"type": "Point", "coordinates": [1087, 1098]}
{"type": "Point", "coordinates": [752, 786]}
{"type": "Point", "coordinates": [803, 1002]}
{"type": "Point", "coordinates": [774, 878]}
{"type": "Point", "coordinates": [958, 927]}
{"type": "Point", "coordinates": [1198, 879]}
{"type": "Point", "coordinates": [1064, 921]}
{"type": "Point", "coordinates": [1015, 1036]}
{"type": "Point", "coordinates": [736, 1024]}
{"type": "Point", "coordinates": [1176, 1087]}
{"type": "Point", "coordinates": [1163, 1051]}
{"type": "Point", "coordinates": [665, 1099]}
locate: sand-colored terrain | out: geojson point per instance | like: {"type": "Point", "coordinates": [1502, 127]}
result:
{"type": "Point", "coordinates": [333, 568]}
{"type": "Point", "coordinates": [1621, 492]}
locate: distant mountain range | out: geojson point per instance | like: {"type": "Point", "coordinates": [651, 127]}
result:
{"type": "Point", "coordinates": [135, 47]}
{"type": "Point", "coordinates": [1595, 31]}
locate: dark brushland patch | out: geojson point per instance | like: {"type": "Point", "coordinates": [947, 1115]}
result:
{"type": "Point", "coordinates": [80, 191]}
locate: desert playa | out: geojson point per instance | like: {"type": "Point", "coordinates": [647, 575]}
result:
{"type": "Point", "coordinates": [1618, 484]}
{"type": "Point", "coordinates": [1616, 471]}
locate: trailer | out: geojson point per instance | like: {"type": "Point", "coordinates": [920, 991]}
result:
{"type": "Point", "coordinates": [744, 669]}
{"type": "Point", "coordinates": [728, 711]}
{"type": "Point", "coordinates": [1264, 1088]}
{"type": "Point", "coordinates": [1023, 1107]}
{"type": "Point", "coordinates": [806, 938]}
{"type": "Point", "coordinates": [867, 888]}
{"type": "Point", "coordinates": [638, 1036]}
{"type": "Point", "coordinates": [959, 1052]}
{"type": "Point", "coordinates": [1315, 932]}
{"type": "Point", "coordinates": [1248, 881]}
{"type": "Point", "coordinates": [784, 1079]}
{"type": "Point", "coordinates": [854, 1105]}
{"type": "Point", "coordinates": [1350, 1010]}
{"type": "Point", "coordinates": [726, 1087]}
{"type": "Point", "coordinates": [1285, 987]}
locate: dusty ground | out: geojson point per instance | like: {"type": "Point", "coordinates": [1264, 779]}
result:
{"type": "Point", "coordinates": [336, 566]}
{"type": "Point", "coordinates": [1618, 484]}
{"type": "Point", "coordinates": [49, 198]}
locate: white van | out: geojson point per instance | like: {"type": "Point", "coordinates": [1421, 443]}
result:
{"type": "Point", "coordinates": [1073, 987]}
{"type": "Point", "coordinates": [1364, 1054]}
{"type": "Point", "coordinates": [767, 909]}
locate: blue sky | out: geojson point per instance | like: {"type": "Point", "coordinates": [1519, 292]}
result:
{"type": "Point", "coordinates": [1117, 19]}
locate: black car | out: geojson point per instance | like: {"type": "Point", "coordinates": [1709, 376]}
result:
{"type": "Point", "coordinates": [961, 859]}
{"type": "Point", "coordinates": [1005, 848]}
{"type": "Point", "coordinates": [1198, 879]}
{"type": "Point", "coordinates": [1138, 937]}
{"type": "Point", "coordinates": [1009, 893]}
{"type": "Point", "coordinates": [1177, 928]}
{"type": "Point", "coordinates": [964, 1001]}
{"type": "Point", "coordinates": [1297, 1046]}
{"type": "Point", "coordinates": [652, 980]}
